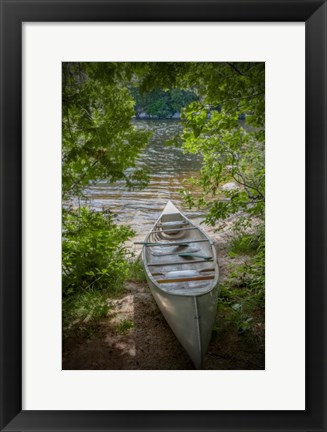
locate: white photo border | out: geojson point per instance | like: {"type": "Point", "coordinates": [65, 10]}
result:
{"type": "Point", "coordinates": [281, 386]}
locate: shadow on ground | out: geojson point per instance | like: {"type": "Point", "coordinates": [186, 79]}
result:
{"type": "Point", "coordinates": [135, 334]}
{"type": "Point", "coordinates": [151, 345]}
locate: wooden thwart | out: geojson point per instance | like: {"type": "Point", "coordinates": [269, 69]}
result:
{"type": "Point", "coordinates": [180, 263]}
{"type": "Point", "coordinates": [172, 253]}
{"type": "Point", "coordinates": [200, 271]}
{"type": "Point", "coordinates": [186, 279]}
{"type": "Point", "coordinates": [181, 243]}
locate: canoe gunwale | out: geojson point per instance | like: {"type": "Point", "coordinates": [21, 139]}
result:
{"type": "Point", "coordinates": [213, 259]}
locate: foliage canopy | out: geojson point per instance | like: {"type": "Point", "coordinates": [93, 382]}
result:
{"type": "Point", "coordinates": [98, 138]}
{"type": "Point", "coordinates": [99, 141]}
{"type": "Point", "coordinates": [232, 151]}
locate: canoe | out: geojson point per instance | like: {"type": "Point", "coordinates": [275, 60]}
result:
{"type": "Point", "coordinates": [182, 272]}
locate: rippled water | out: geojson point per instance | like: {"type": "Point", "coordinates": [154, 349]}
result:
{"type": "Point", "coordinates": [168, 166]}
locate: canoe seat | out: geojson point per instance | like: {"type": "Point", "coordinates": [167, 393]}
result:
{"type": "Point", "coordinates": [194, 255]}
{"type": "Point", "coordinates": [190, 249]}
{"type": "Point", "coordinates": [172, 223]}
{"type": "Point", "coordinates": [181, 273]}
{"type": "Point", "coordinates": [173, 230]}
{"type": "Point", "coordinates": [185, 279]}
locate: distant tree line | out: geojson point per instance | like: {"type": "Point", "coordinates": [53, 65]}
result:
{"type": "Point", "coordinates": [161, 103]}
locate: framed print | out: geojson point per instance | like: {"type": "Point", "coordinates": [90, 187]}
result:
{"type": "Point", "coordinates": [54, 57]}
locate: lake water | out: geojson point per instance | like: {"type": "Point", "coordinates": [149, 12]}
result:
{"type": "Point", "coordinates": [169, 167]}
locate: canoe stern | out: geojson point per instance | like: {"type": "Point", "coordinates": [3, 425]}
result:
{"type": "Point", "coordinates": [191, 318]}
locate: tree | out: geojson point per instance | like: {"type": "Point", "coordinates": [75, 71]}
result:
{"type": "Point", "coordinates": [160, 103]}
{"type": "Point", "coordinates": [231, 151]}
{"type": "Point", "coordinates": [98, 139]}
{"type": "Point", "coordinates": [98, 142]}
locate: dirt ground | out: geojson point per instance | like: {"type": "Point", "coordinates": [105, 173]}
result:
{"type": "Point", "coordinates": [151, 345]}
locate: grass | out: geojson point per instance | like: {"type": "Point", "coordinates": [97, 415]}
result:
{"type": "Point", "coordinates": [244, 244]}
{"type": "Point", "coordinates": [136, 271]}
{"type": "Point", "coordinates": [241, 300]}
{"type": "Point", "coordinates": [82, 312]}
{"type": "Point", "coordinates": [124, 326]}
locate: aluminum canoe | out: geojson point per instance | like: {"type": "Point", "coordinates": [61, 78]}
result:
{"type": "Point", "coordinates": [181, 268]}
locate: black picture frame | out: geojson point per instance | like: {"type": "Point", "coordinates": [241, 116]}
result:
{"type": "Point", "coordinates": [13, 14]}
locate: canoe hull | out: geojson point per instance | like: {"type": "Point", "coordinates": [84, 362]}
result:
{"type": "Point", "coordinates": [182, 272]}
{"type": "Point", "coordinates": [191, 318]}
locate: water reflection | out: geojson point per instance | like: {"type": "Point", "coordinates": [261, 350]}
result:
{"type": "Point", "coordinates": [169, 167]}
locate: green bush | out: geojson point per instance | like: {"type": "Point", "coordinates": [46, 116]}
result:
{"type": "Point", "coordinates": [246, 244]}
{"type": "Point", "coordinates": [93, 252]}
{"type": "Point", "coordinates": [242, 297]}
{"type": "Point", "coordinates": [251, 274]}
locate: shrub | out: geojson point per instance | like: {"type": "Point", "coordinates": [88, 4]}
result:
{"type": "Point", "coordinates": [93, 252]}
{"type": "Point", "coordinates": [241, 298]}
